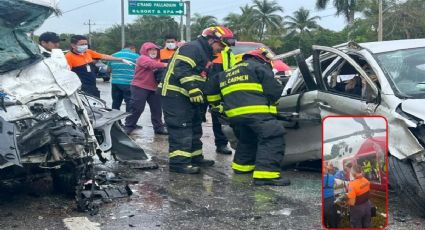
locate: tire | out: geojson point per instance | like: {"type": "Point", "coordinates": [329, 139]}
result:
{"type": "Point", "coordinates": [407, 180]}
{"type": "Point", "coordinates": [66, 179]}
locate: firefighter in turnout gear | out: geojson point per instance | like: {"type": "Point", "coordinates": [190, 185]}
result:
{"type": "Point", "coordinates": [247, 94]}
{"type": "Point", "coordinates": [222, 61]}
{"type": "Point", "coordinates": [182, 96]}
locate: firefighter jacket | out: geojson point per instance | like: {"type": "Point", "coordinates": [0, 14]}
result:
{"type": "Point", "coordinates": [187, 69]}
{"type": "Point", "coordinates": [247, 89]}
{"type": "Point", "coordinates": [223, 61]}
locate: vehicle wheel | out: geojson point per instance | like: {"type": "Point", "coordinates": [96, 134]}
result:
{"type": "Point", "coordinates": [407, 180]}
{"type": "Point", "coordinates": [66, 179]}
{"type": "Point", "coordinates": [106, 79]}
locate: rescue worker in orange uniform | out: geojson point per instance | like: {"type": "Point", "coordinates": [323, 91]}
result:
{"type": "Point", "coordinates": [81, 60]}
{"type": "Point", "coordinates": [165, 55]}
{"type": "Point", "coordinates": [358, 200]}
{"type": "Point", "coordinates": [247, 94]}
{"type": "Point", "coordinates": [182, 95]}
{"type": "Point", "coordinates": [169, 49]}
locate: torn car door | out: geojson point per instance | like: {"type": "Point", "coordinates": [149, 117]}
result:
{"type": "Point", "coordinates": [333, 102]}
{"type": "Point", "coordinates": [300, 114]}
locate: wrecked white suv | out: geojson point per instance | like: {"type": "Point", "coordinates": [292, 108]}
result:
{"type": "Point", "coordinates": [46, 126]}
{"type": "Point", "coordinates": [378, 78]}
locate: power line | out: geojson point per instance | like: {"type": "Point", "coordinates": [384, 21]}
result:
{"type": "Point", "coordinates": [90, 24]}
{"type": "Point", "coordinates": [77, 8]}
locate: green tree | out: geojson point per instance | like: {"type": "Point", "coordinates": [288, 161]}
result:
{"type": "Point", "coordinates": [200, 22]}
{"type": "Point", "coordinates": [347, 8]}
{"type": "Point", "coordinates": [265, 17]}
{"type": "Point", "coordinates": [405, 20]}
{"type": "Point", "coordinates": [143, 29]}
{"type": "Point", "coordinates": [248, 32]}
{"type": "Point", "coordinates": [241, 24]}
{"type": "Point", "coordinates": [235, 22]}
{"type": "Point", "coordinates": [301, 23]}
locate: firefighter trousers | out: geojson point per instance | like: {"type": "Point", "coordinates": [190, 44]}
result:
{"type": "Point", "coordinates": [184, 124]}
{"type": "Point", "coordinates": [260, 147]}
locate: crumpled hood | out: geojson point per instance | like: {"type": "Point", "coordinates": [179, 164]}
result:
{"type": "Point", "coordinates": [146, 46]}
{"type": "Point", "coordinates": [47, 79]}
{"type": "Point", "coordinates": [414, 107]}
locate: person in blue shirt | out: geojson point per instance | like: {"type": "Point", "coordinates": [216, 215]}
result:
{"type": "Point", "coordinates": [122, 75]}
{"type": "Point", "coordinates": [344, 175]}
{"type": "Point", "coordinates": [330, 216]}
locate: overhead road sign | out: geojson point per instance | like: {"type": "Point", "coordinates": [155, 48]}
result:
{"type": "Point", "coordinates": [137, 7]}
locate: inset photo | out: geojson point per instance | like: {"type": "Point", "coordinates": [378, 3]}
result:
{"type": "Point", "coordinates": [355, 175]}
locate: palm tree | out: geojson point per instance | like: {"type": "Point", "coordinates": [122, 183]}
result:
{"type": "Point", "coordinates": [248, 17]}
{"type": "Point", "coordinates": [200, 22]}
{"type": "Point", "coordinates": [235, 22]}
{"type": "Point", "coordinates": [347, 8]}
{"type": "Point", "coordinates": [264, 16]}
{"type": "Point", "coordinates": [301, 23]}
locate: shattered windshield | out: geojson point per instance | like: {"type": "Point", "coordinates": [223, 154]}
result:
{"type": "Point", "coordinates": [18, 19]}
{"type": "Point", "coordinates": [406, 68]}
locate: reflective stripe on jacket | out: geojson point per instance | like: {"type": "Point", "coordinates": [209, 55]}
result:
{"type": "Point", "coordinates": [185, 68]}
{"type": "Point", "coordinates": [247, 88]}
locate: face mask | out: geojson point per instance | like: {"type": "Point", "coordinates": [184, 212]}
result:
{"type": "Point", "coordinates": [170, 46]}
{"type": "Point", "coordinates": [82, 48]}
{"type": "Point", "coordinates": [152, 55]}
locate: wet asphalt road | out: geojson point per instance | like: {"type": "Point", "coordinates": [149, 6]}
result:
{"type": "Point", "coordinates": [215, 199]}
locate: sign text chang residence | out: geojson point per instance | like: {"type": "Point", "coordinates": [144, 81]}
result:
{"type": "Point", "coordinates": [155, 7]}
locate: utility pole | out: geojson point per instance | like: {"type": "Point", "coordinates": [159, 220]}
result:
{"type": "Point", "coordinates": [89, 24]}
{"type": "Point", "coordinates": [380, 21]}
{"type": "Point", "coordinates": [188, 35]}
{"type": "Point", "coordinates": [181, 26]}
{"type": "Point", "coordinates": [122, 25]}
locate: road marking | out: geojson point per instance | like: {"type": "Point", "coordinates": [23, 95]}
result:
{"type": "Point", "coordinates": [77, 223]}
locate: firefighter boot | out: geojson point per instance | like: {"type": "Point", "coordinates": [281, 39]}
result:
{"type": "Point", "coordinates": [222, 149]}
{"type": "Point", "coordinates": [203, 162]}
{"type": "Point", "coordinates": [184, 168]}
{"type": "Point", "coordinates": [275, 182]}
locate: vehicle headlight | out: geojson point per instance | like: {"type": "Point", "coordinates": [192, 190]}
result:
{"type": "Point", "coordinates": [419, 130]}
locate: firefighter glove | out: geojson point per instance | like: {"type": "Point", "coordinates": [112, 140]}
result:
{"type": "Point", "coordinates": [217, 109]}
{"type": "Point", "coordinates": [196, 96]}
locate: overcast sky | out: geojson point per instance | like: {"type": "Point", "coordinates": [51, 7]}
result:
{"type": "Point", "coordinates": [105, 13]}
{"type": "Point", "coordinates": [335, 127]}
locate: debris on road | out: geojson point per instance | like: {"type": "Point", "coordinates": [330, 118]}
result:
{"type": "Point", "coordinates": [284, 212]}
{"type": "Point", "coordinates": [76, 223]}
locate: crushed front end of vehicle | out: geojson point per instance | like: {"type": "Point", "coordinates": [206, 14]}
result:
{"type": "Point", "coordinates": [42, 117]}
{"type": "Point", "coordinates": [46, 125]}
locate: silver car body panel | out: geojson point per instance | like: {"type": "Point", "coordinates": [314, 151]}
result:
{"type": "Point", "coordinates": [306, 127]}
